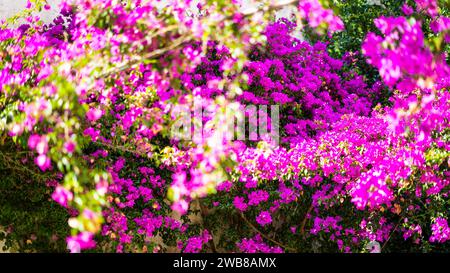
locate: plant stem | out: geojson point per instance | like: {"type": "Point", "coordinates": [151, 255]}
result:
{"type": "Point", "coordinates": [263, 235]}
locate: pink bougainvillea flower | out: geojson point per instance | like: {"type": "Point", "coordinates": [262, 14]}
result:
{"type": "Point", "coordinates": [428, 6]}
{"type": "Point", "coordinates": [195, 244]}
{"type": "Point", "coordinates": [42, 145]}
{"type": "Point", "coordinates": [256, 245]}
{"type": "Point", "coordinates": [315, 14]}
{"type": "Point", "coordinates": [83, 240]}
{"type": "Point", "coordinates": [16, 130]}
{"type": "Point", "coordinates": [102, 186]}
{"type": "Point", "coordinates": [264, 218]}
{"type": "Point", "coordinates": [440, 231]}
{"type": "Point", "coordinates": [239, 203]}
{"type": "Point", "coordinates": [93, 133]}
{"type": "Point", "coordinates": [33, 140]}
{"type": "Point", "coordinates": [180, 206]}
{"type": "Point", "coordinates": [407, 10]}
{"type": "Point", "coordinates": [94, 114]}
{"type": "Point", "coordinates": [62, 196]}
{"type": "Point", "coordinates": [43, 162]}
{"type": "Point", "coordinates": [69, 146]}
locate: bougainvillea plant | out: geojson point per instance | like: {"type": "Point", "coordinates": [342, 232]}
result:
{"type": "Point", "coordinates": [89, 103]}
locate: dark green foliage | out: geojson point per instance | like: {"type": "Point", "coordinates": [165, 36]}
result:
{"type": "Point", "coordinates": [34, 222]}
{"type": "Point", "coordinates": [358, 17]}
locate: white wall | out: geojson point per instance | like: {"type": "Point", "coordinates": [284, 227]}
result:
{"type": "Point", "coordinates": [9, 8]}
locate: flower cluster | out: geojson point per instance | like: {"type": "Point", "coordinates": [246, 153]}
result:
{"type": "Point", "coordinates": [256, 245]}
{"type": "Point", "coordinates": [441, 231]}
{"type": "Point", "coordinates": [316, 15]}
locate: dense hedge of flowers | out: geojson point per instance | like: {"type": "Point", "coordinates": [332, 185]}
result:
{"type": "Point", "coordinates": [91, 100]}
